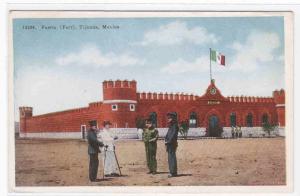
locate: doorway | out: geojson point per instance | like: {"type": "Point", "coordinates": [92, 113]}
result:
{"type": "Point", "coordinates": [83, 132]}
{"type": "Point", "coordinates": [214, 127]}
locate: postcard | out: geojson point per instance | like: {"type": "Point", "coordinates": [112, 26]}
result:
{"type": "Point", "coordinates": [157, 101]}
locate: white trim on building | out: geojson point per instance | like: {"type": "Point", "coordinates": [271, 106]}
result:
{"type": "Point", "coordinates": [118, 101]}
{"type": "Point", "coordinates": [134, 133]}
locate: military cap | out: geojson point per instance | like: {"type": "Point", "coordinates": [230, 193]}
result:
{"type": "Point", "coordinates": [149, 120]}
{"type": "Point", "coordinates": [172, 115]}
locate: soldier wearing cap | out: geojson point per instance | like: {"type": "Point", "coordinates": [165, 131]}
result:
{"type": "Point", "coordinates": [171, 143]}
{"type": "Point", "coordinates": [240, 131]}
{"type": "Point", "coordinates": [150, 136]}
{"type": "Point", "coordinates": [93, 150]}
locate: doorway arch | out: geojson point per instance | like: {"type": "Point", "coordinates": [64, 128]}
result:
{"type": "Point", "coordinates": [214, 126]}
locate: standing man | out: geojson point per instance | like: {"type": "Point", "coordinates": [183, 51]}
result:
{"type": "Point", "coordinates": [110, 163]}
{"type": "Point", "coordinates": [150, 136]}
{"type": "Point", "coordinates": [232, 132]}
{"type": "Point", "coordinates": [171, 143]}
{"type": "Point", "coordinates": [236, 131]}
{"type": "Point", "coordinates": [240, 131]}
{"type": "Point", "coordinates": [93, 150]}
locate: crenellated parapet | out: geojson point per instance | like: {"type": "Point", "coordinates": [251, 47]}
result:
{"type": "Point", "coordinates": [119, 90]}
{"type": "Point", "coordinates": [25, 111]}
{"type": "Point", "coordinates": [166, 96]}
{"type": "Point", "coordinates": [95, 104]}
{"type": "Point", "coordinates": [279, 96]}
{"type": "Point", "coordinates": [119, 84]}
{"type": "Point", "coordinates": [250, 99]}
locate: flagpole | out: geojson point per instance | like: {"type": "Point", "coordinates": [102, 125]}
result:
{"type": "Point", "coordinates": [210, 64]}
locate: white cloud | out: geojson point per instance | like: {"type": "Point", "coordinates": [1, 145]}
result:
{"type": "Point", "coordinates": [91, 55]}
{"type": "Point", "coordinates": [255, 51]}
{"type": "Point", "coordinates": [181, 66]}
{"type": "Point", "coordinates": [258, 84]}
{"type": "Point", "coordinates": [48, 90]}
{"type": "Point", "coordinates": [177, 33]}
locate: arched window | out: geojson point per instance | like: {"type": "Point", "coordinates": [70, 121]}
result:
{"type": "Point", "coordinates": [232, 119]}
{"type": "Point", "coordinates": [265, 119]}
{"type": "Point", "coordinates": [249, 120]}
{"type": "Point", "coordinates": [193, 120]}
{"type": "Point", "coordinates": [153, 117]}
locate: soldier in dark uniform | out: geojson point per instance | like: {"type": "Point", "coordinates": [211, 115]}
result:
{"type": "Point", "coordinates": [171, 143]}
{"type": "Point", "coordinates": [93, 150]}
{"type": "Point", "coordinates": [150, 136]}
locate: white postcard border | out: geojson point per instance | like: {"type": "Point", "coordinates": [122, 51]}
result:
{"type": "Point", "coordinates": [190, 189]}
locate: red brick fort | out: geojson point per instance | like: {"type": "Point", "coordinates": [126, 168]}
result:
{"type": "Point", "coordinates": [123, 105]}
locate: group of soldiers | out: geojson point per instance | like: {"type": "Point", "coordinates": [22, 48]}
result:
{"type": "Point", "coordinates": [236, 132]}
{"type": "Point", "coordinates": [150, 137]}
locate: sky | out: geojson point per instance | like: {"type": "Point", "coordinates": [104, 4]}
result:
{"type": "Point", "coordinates": [57, 68]}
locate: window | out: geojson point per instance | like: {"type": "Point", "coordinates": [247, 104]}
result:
{"type": "Point", "coordinates": [132, 107]}
{"type": "Point", "coordinates": [114, 107]}
{"type": "Point", "coordinates": [232, 119]}
{"type": "Point", "coordinates": [249, 120]}
{"type": "Point", "coordinates": [83, 131]}
{"type": "Point", "coordinates": [265, 119]}
{"type": "Point", "coordinates": [193, 120]}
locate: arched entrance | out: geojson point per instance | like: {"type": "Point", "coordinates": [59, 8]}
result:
{"type": "Point", "coordinates": [214, 127]}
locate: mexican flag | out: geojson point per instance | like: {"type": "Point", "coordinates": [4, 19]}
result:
{"type": "Point", "coordinates": [217, 57]}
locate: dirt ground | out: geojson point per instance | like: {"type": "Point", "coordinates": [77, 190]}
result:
{"type": "Point", "coordinates": [258, 161]}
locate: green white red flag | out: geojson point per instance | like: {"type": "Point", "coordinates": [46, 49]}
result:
{"type": "Point", "coordinates": [217, 57]}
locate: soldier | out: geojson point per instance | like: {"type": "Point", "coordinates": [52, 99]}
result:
{"type": "Point", "coordinates": [150, 136]}
{"type": "Point", "coordinates": [240, 131]}
{"type": "Point", "coordinates": [232, 131]}
{"type": "Point", "coordinates": [171, 143]}
{"type": "Point", "coordinates": [93, 150]}
{"type": "Point", "coordinates": [236, 131]}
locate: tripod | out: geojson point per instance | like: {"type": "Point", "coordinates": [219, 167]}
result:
{"type": "Point", "coordinates": [105, 149]}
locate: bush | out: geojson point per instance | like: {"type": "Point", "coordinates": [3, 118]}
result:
{"type": "Point", "coordinates": [268, 127]}
{"type": "Point", "coordinates": [184, 128]}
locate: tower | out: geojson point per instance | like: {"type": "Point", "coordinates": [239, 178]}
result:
{"type": "Point", "coordinates": [120, 103]}
{"type": "Point", "coordinates": [279, 99]}
{"type": "Point", "coordinates": [25, 112]}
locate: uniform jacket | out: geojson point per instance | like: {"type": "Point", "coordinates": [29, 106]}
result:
{"type": "Point", "coordinates": [93, 142]}
{"type": "Point", "coordinates": [150, 134]}
{"type": "Point", "coordinates": [172, 134]}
